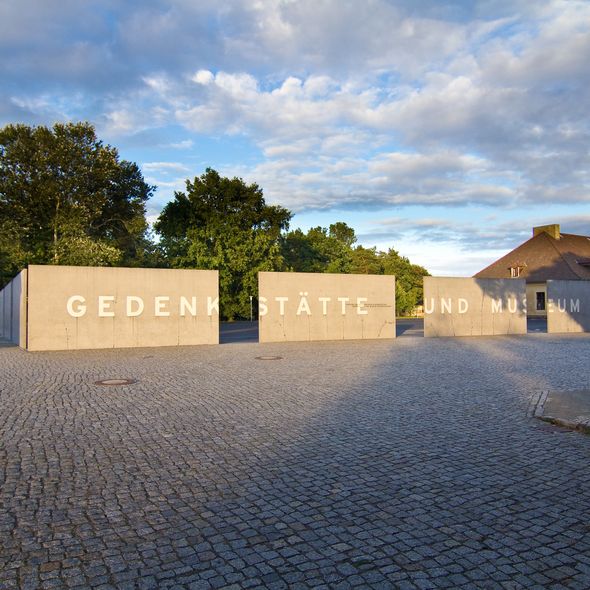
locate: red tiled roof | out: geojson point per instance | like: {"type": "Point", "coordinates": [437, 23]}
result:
{"type": "Point", "coordinates": [543, 258]}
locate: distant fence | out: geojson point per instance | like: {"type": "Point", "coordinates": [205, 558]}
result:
{"type": "Point", "coordinates": [322, 306]}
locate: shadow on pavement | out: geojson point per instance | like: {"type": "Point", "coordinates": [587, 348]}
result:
{"type": "Point", "coordinates": [536, 325]}
{"type": "Point", "coordinates": [233, 332]}
{"type": "Point", "coordinates": [409, 327]}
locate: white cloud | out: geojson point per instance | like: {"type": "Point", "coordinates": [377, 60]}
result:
{"type": "Point", "coordinates": [185, 144]}
{"type": "Point", "coordinates": [358, 105]}
{"type": "Point", "coordinates": [204, 77]}
{"type": "Point", "coordinates": [158, 84]}
{"type": "Point", "coordinates": [120, 121]}
{"type": "Point", "coordinates": [164, 167]}
{"type": "Point", "coordinates": [469, 131]}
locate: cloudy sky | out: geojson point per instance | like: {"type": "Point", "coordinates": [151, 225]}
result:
{"type": "Point", "coordinates": [445, 129]}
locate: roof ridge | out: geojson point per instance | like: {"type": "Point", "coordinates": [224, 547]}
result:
{"type": "Point", "coordinates": [546, 258]}
{"type": "Point", "coordinates": [555, 243]}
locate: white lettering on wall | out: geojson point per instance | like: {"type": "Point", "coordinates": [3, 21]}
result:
{"type": "Point", "coordinates": [160, 303]}
{"type": "Point", "coordinates": [360, 306]}
{"type": "Point", "coordinates": [281, 301]}
{"type": "Point", "coordinates": [343, 302]}
{"type": "Point", "coordinates": [80, 309]}
{"type": "Point", "coordinates": [262, 307]}
{"type": "Point", "coordinates": [77, 306]}
{"type": "Point", "coordinates": [303, 304]}
{"type": "Point", "coordinates": [562, 305]}
{"type": "Point", "coordinates": [186, 306]}
{"type": "Point", "coordinates": [307, 305]}
{"type": "Point", "coordinates": [104, 306]}
{"type": "Point", "coordinates": [324, 301]}
{"type": "Point", "coordinates": [132, 313]}
{"type": "Point", "coordinates": [462, 306]}
{"type": "Point", "coordinates": [212, 305]}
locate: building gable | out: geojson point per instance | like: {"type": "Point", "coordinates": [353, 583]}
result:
{"type": "Point", "coordinates": [548, 255]}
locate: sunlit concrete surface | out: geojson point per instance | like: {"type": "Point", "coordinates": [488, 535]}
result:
{"type": "Point", "coordinates": [412, 463]}
{"type": "Point", "coordinates": [304, 307]}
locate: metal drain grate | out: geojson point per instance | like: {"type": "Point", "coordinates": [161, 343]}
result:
{"type": "Point", "coordinates": [111, 382]}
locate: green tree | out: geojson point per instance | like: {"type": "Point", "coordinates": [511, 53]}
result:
{"type": "Point", "coordinates": [321, 249]}
{"type": "Point", "coordinates": [66, 198]}
{"type": "Point", "coordinates": [224, 224]}
{"type": "Point", "coordinates": [366, 261]}
{"type": "Point", "coordinates": [299, 252]}
{"type": "Point", "coordinates": [239, 257]}
{"type": "Point", "coordinates": [409, 280]}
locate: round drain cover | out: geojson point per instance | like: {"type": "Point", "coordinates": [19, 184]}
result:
{"type": "Point", "coordinates": [269, 358]}
{"type": "Point", "coordinates": [115, 382]}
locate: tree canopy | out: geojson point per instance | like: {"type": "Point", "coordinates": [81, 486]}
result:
{"type": "Point", "coordinates": [321, 249]}
{"type": "Point", "coordinates": [66, 198]}
{"type": "Point", "coordinates": [332, 250]}
{"type": "Point", "coordinates": [224, 224]}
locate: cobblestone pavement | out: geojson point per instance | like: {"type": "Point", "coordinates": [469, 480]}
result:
{"type": "Point", "coordinates": [405, 464]}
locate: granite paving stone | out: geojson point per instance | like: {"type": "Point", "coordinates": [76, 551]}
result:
{"type": "Point", "coordinates": [414, 463]}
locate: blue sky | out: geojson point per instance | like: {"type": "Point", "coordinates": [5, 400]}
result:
{"type": "Point", "coordinates": [443, 129]}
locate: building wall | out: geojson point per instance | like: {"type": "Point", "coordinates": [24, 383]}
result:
{"type": "Point", "coordinates": [13, 310]}
{"type": "Point", "coordinates": [474, 307]}
{"type": "Point", "coordinates": [568, 307]}
{"type": "Point", "coordinates": [73, 307]}
{"type": "Point", "coordinates": [6, 312]}
{"type": "Point", "coordinates": [533, 298]}
{"type": "Point", "coordinates": [314, 306]}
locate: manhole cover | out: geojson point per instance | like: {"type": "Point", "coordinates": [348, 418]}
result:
{"type": "Point", "coordinates": [115, 382]}
{"type": "Point", "coordinates": [269, 358]}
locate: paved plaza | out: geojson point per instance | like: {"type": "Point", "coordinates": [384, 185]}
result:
{"type": "Point", "coordinates": [412, 463]}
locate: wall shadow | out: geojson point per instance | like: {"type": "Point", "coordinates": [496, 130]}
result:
{"type": "Point", "coordinates": [462, 306]}
{"type": "Point", "coordinates": [238, 332]}
{"type": "Point", "coordinates": [536, 325]}
{"type": "Point", "coordinates": [566, 269]}
{"type": "Point", "coordinates": [568, 306]}
{"type": "Point", "coordinates": [354, 464]}
{"type": "Point", "coordinates": [398, 468]}
{"type": "Point", "coordinates": [409, 327]}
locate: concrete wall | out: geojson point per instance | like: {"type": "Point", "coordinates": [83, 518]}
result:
{"type": "Point", "coordinates": [313, 306]}
{"type": "Point", "coordinates": [77, 307]}
{"type": "Point", "coordinates": [6, 312]}
{"type": "Point", "coordinates": [13, 311]}
{"type": "Point", "coordinates": [474, 307]}
{"type": "Point", "coordinates": [568, 306]}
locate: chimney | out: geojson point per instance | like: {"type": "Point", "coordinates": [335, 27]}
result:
{"type": "Point", "coordinates": [552, 230]}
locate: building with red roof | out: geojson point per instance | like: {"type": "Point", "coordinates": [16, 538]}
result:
{"type": "Point", "coordinates": [548, 255]}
